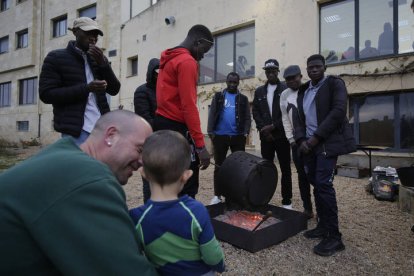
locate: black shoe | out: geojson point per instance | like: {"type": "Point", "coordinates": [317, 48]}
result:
{"type": "Point", "coordinates": [309, 214]}
{"type": "Point", "coordinates": [329, 246]}
{"type": "Point", "coordinates": [316, 233]}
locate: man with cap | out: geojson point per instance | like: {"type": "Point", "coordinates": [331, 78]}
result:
{"type": "Point", "coordinates": [268, 118]}
{"type": "Point", "coordinates": [75, 81]}
{"type": "Point", "coordinates": [288, 106]}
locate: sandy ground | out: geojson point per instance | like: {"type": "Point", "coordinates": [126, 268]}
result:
{"type": "Point", "coordinates": [376, 234]}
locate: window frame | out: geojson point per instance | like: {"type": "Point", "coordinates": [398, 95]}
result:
{"type": "Point", "coordinates": [6, 7]}
{"type": "Point", "coordinates": [130, 70]}
{"type": "Point", "coordinates": [8, 44]}
{"type": "Point", "coordinates": [20, 124]}
{"type": "Point", "coordinates": [396, 117]}
{"type": "Point", "coordinates": [357, 34]}
{"type": "Point", "coordinates": [57, 20]}
{"type": "Point", "coordinates": [234, 33]}
{"type": "Point", "coordinates": [18, 36]}
{"type": "Point", "coordinates": [24, 98]}
{"type": "Point", "coordinates": [86, 8]}
{"type": "Point", "coordinates": [2, 96]}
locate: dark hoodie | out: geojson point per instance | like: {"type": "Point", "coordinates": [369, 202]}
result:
{"type": "Point", "coordinates": [177, 91]}
{"type": "Point", "coordinates": [145, 102]}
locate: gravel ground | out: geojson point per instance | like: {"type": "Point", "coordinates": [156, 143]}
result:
{"type": "Point", "coordinates": [376, 234]}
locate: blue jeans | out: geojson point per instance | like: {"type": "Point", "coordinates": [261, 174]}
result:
{"type": "Point", "coordinates": [79, 140]}
{"type": "Point", "coordinates": [320, 170]}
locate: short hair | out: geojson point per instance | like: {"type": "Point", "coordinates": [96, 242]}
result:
{"type": "Point", "coordinates": [233, 74]}
{"type": "Point", "coordinates": [200, 31]}
{"type": "Point", "coordinates": [166, 155]}
{"type": "Point", "coordinates": [316, 57]}
{"type": "Point", "coordinates": [119, 117]}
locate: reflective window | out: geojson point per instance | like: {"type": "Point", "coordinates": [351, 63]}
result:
{"type": "Point", "coordinates": [88, 12]}
{"type": "Point", "coordinates": [406, 104]}
{"type": "Point", "coordinates": [225, 56]}
{"type": "Point", "coordinates": [376, 32]}
{"type": "Point", "coordinates": [338, 31]}
{"type": "Point", "coordinates": [22, 125]}
{"type": "Point", "coordinates": [60, 26]}
{"type": "Point", "coordinates": [373, 33]}
{"type": "Point", "coordinates": [5, 92]}
{"type": "Point", "coordinates": [22, 39]}
{"type": "Point", "coordinates": [232, 52]}
{"type": "Point", "coordinates": [133, 66]}
{"type": "Point", "coordinates": [4, 5]}
{"type": "Point", "coordinates": [383, 120]}
{"type": "Point", "coordinates": [28, 91]}
{"type": "Point", "coordinates": [405, 27]}
{"type": "Point", "coordinates": [4, 44]}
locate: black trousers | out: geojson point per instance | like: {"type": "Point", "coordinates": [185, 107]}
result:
{"type": "Point", "coordinates": [304, 185]}
{"type": "Point", "coordinates": [221, 144]}
{"type": "Point", "coordinates": [282, 148]}
{"type": "Point", "coordinates": [191, 187]}
{"type": "Point", "coordinates": [320, 171]}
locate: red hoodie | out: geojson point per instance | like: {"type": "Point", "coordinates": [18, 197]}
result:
{"type": "Point", "coordinates": [177, 91]}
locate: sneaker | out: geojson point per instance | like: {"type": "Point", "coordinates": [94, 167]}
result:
{"type": "Point", "coordinates": [328, 246]}
{"type": "Point", "coordinates": [215, 200]}
{"type": "Point", "coordinates": [316, 233]}
{"type": "Point", "coordinates": [289, 207]}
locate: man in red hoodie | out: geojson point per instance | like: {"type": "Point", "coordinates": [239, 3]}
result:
{"type": "Point", "coordinates": [177, 97]}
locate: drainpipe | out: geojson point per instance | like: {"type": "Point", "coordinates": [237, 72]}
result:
{"type": "Point", "coordinates": [41, 38]}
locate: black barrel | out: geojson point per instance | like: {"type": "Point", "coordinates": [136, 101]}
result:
{"type": "Point", "coordinates": [247, 180]}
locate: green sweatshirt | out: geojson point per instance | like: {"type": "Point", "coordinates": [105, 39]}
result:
{"type": "Point", "coordinates": [63, 212]}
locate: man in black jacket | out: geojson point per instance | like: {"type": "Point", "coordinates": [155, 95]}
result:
{"type": "Point", "coordinates": [75, 81]}
{"type": "Point", "coordinates": [268, 118]}
{"type": "Point", "coordinates": [145, 104]}
{"type": "Point", "coordinates": [228, 124]}
{"type": "Point", "coordinates": [323, 133]}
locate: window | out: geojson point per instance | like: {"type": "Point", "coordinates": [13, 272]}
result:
{"type": "Point", "coordinates": [133, 66]}
{"type": "Point", "coordinates": [384, 120]}
{"type": "Point", "coordinates": [27, 91]}
{"type": "Point", "coordinates": [4, 5]}
{"type": "Point", "coordinates": [21, 1]}
{"type": "Point", "coordinates": [153, 2]}
{"type": "Point", "coordinates": [349, 31]}
{"type": "Point", "coordinates": [59, 26]}
{"type": "Point", "coordinates": [232, 52]}
{"type": "Point", "coordinates": [22, 125]}
{"type": "Point", "coordinates": [88, 12]}
{"type": "Point", "coordinates": [5, 91]}
{"type": "Point", "coordinates": [22, 39]}
{"type": "Point", "coordinates": [4, 44]}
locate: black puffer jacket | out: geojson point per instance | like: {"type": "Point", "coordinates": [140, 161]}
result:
{"type": "Point", "coordinates": [145, 101]}
{"type": "Point", "coordinates": [62, 83]}
{"type": "Point", "coordinates": [261, 112]}
{"type": "Point", "coordinates": [334, 131]}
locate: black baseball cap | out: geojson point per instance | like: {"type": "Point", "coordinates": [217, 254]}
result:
{"type": "Point", "coordinates": [271, 64]}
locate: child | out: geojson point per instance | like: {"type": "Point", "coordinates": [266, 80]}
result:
{"type": "Point", "coordinates": [175, 233]}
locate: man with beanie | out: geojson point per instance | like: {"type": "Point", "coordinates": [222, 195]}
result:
{"type": "Point", "coordinates": [288, 107]}
{"type": "Point", "coordinates": [268, 118]}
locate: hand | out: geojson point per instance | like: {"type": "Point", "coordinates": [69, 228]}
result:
{"type": "Point", "coordinates": [304, 148]}
{"type": "Point", "coordinates": [211, 136]}
{"type": "Point", "coordinates": [267, 129]}
{"type": "Point", "coordinates": [204, 157]}
{"type": "Point", "coordinates": [293, 145]}
{"type": "Point", "coordinates": [268, 137]}
{"type": "Point", "coordinates": [96, 86]}
{"type": "Point", "coordinates": [97, 54]}
{"type": "Point", "coordinates": [313, 141]}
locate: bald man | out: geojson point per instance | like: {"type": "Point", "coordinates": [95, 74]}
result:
{"type": "Point", "coordinates": [63, 211]}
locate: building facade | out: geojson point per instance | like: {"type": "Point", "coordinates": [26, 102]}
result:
{"type": "Point", "coordinates": [367, 42]}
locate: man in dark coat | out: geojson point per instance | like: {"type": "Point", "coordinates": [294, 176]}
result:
{"type": "Point", "coordinates": [268, 118]}
{"type": "Point", "coordinates": [323, 132]}
{"type": "Point", "coordinates": [145, 104]}
{"type": "Point", "coordinates": [75, 81]}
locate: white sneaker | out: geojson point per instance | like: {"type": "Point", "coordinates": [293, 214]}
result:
{"type": "Point", "coordinates": [215, 200]}
{"type": "Point", "coordinates": [287, 206]}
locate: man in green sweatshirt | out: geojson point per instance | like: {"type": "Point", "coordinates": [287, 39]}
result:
{"type": "Point", "coordinates": [63, 211]}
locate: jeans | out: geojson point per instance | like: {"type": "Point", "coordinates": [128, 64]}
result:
{"type": "Point", "coordinates": [78, 140]}
{"type": "Point", "coordinates": [191, 187]}
{"type": "Point", "coordinates": [221, 144]}
{"type": "Point", "coordinates": [320, 170]}
{"type": "Point", "coordinates": [282, 148]}
{"type": "Point", "coordinates": [304, 186]}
